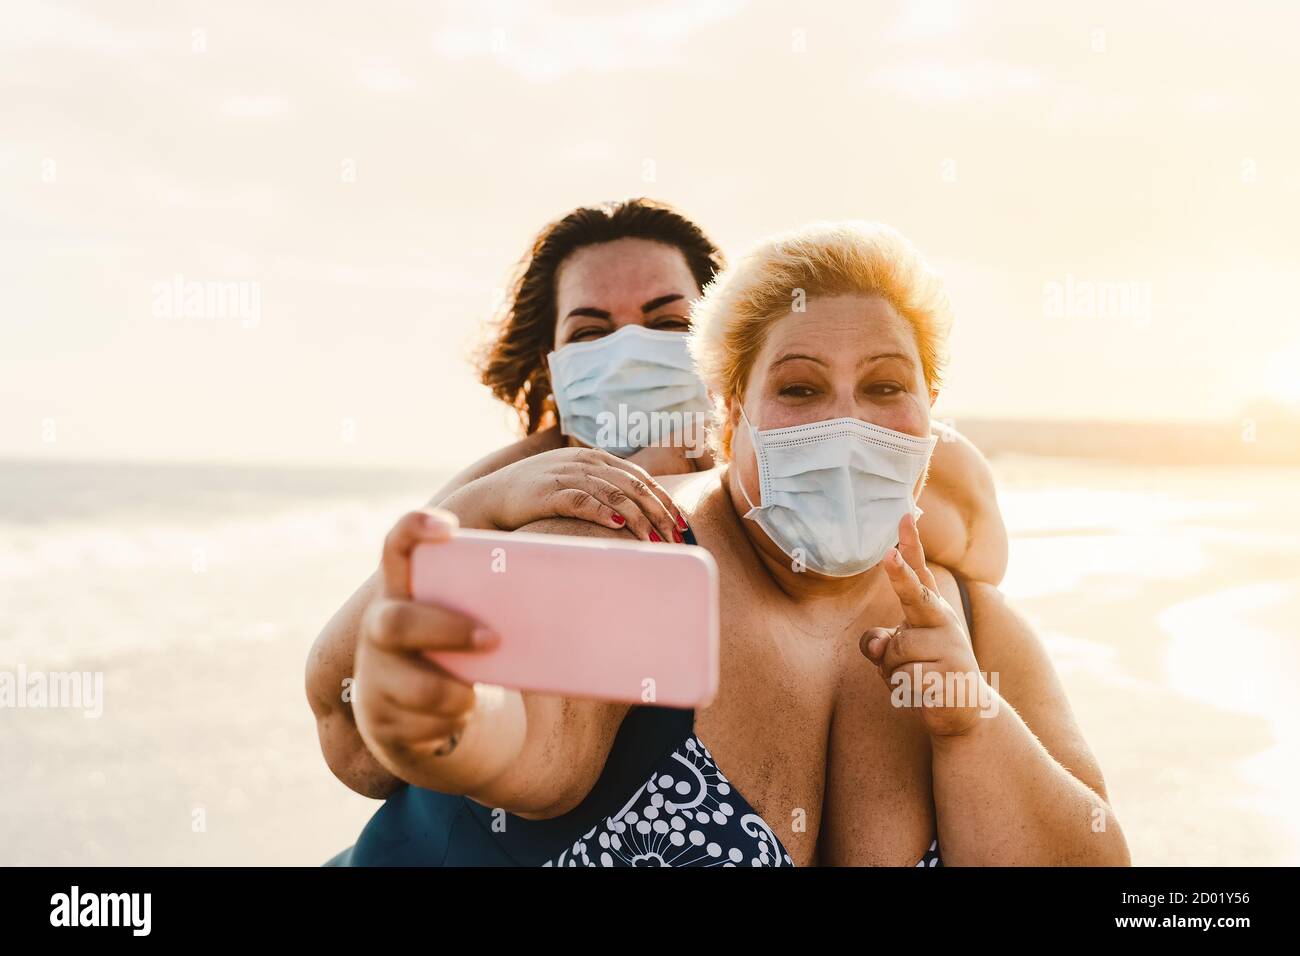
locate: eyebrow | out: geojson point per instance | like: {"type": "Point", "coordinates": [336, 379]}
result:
{"type": "Point", "coordinates": [791, 356]}
{"type": "Point", "coordinates": [591, 312]}
{"type": "Point", "coordinates": [660, 302]}
{"type": "Point", "coordinates": [887, 355]}
{"type": "Point", "coordinates": [870, 358]}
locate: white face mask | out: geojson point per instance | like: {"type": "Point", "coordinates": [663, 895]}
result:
{"type": "Point", "coordinates": [833, 492]}
{"type": "Point", "coordinates": [629, 390]}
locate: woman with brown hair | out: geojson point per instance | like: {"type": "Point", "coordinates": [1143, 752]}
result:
{"type": "Point", "coordinates": [595, 275]}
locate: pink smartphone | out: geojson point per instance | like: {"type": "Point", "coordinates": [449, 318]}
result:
{"type": "Point", "coordinates": [581, 617]}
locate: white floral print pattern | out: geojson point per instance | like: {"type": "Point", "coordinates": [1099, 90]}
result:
{"type": "Point", "coordinates": [931, 857]}
{"type": "Point", "coordinates": [686, 814]}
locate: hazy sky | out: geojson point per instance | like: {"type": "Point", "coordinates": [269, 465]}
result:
{"type": "Point", "coordinates": [367, 174]}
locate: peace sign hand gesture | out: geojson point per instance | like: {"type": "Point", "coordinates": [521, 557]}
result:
{"type": "Point", "coordinates": [927, 661]}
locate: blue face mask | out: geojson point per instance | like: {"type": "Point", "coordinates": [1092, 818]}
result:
{"type": "Point", "coordinates": [831, 493]}
{"type": "Point", "coordinates": [629, 390]}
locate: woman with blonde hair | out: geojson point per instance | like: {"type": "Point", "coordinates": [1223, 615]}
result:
{"type": "Point", "coordinates": [824, 352]}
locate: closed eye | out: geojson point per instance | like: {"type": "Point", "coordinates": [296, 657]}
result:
{"type": "Point", "coordinates": [670, 323]}
{"type": "Point", "coordinates": [798, 391]}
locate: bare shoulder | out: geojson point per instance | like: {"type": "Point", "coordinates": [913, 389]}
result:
{"type": "Point", "coordinates": [688, 490]}
{"type": "Point", "coordinates": [704, 501]}
{"type": "Point", "coordinates": [575, 528]}
{"type": "Point", "coordinates": [960, 499]}
{"type": "Point", "coordinates": [968, 461]}
{"type": "Point", "coordinates": [548, 439]}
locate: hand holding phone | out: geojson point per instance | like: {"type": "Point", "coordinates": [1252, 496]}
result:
{"type": "Point", "coordinates": [579, 617]}
{"type": "Point", "coordinates": [405, 709]}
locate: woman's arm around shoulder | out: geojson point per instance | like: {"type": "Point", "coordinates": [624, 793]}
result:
{"type": "Point", "coordinates": [962, 527]}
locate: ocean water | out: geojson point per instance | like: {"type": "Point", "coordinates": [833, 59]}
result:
{"type": "Point", "coordinates": [1167, 597]}
{"type": "Point", "coordinates": [1176, 591]}
{"type": "Point", "coordinates": [101, 559]}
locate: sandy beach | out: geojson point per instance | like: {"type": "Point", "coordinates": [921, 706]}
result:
{"type": "Point", "coordinates": [1167, 597]}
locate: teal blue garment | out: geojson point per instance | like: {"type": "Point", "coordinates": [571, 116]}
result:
{"type": "Point", "coordinates": [417, 827]}
{"type": "Point", "coordinates": [342, 858]}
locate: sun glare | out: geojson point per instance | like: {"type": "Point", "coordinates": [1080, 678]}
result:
{"type": "Point", "coordinates": [1284, 378]}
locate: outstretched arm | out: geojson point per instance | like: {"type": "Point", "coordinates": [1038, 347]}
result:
{"type": "Point", "coordinates": [587, 484]}
{"type": "Point", "coordinates": [331, 662]}
{"type": "Point", "coordinates": [533, 754]}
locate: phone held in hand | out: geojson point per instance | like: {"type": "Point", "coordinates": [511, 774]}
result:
{"type": "Point", "coordinates": [579, 617]}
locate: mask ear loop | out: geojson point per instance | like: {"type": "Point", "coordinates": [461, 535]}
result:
{"type": "Point", "coordinates": [917, 510]}
{"type": "Point", "coordinates": [753, 440]}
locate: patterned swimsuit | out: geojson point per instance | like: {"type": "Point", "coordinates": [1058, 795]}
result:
{"type": "Point", "coordinates": [686, 814]}
{"type": "Point", "coordinates": [676, 808]}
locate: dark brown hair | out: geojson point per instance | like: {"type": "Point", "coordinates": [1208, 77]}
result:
{"type": "Point", "coordinates": [514, 364]}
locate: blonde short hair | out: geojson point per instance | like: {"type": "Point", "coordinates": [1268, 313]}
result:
{"type": "Point", "coordinates": [730, 321]}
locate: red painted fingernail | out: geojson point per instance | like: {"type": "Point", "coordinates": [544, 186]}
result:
{"type": "Point", "coordinates": [654, 536]}
{"type": "Point", "coordinates": [677, 536]}
{"type": "Point", "coordinates": [619, 519]}
{"type": "Point", "coordinates": [681, 523]}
